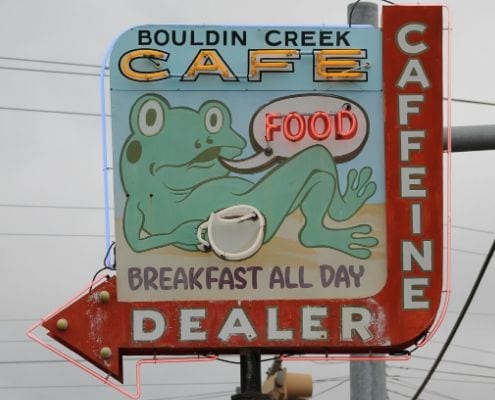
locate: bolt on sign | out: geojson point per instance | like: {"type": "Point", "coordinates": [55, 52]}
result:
{"type": "Point", "coordinates": [275, 187]}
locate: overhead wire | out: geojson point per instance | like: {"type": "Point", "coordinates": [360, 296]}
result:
{"type": "Point", "coordinates": [80, 386]}
{"type": "Point", "coordinates": [208, 383]}
{"type": "Point", "coordinates": [75, 207]}
{"type": "Point", "coordinates": [50, 71]}
{"type": "Point", "coordinates": [466, 228]}
{"type": "Point", "coordinates": [467, 347]}
{"type": "Point", "coordinates": [458, 322]}
{"type": "Point", "coordinates": [468, 364]}
{"type": "Point", "coordinates": [45, 61]}
{"type": "Point", "coordinates": [398, 393]}
{"type": "Point", "coordinates": [465, 374]}
{"type": "Point", "coordinates": [99, 208]}
{"type": "Point", "coordinates": [199, 396]}
{"type": "Point", "coordinates": [476, 382]}
{"type": "Point", "coordinates": [50, 206]}
{"type": "Point", "coordinates": [478, 102]}
{"type": "Point", "coordinates": [34, 234]}
{"type": "Point", "coordinates": [333, 387]}
{"type": "Point", "coordinates": [83, 65]}
{"type": "Point", "coordinates": [47, 111]}
{"type": "Point", "coordinates": [429, 391]}
{"type": "Point", "coordinates": [57, 235]}
{"type": "Point", "coordinates": [41, 206]}
{"type": "Point", "coordinates": [93, 208]}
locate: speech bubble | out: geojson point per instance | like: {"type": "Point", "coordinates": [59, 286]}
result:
{"type": "Point", "coordinates": [289, 125]}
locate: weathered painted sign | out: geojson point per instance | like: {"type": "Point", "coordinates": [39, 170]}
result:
{"type": "Point", "coordinates": [288, 122]}
{"type": "Point", "coordinates": [277, 188]}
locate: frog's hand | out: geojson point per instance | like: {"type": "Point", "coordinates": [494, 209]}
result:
{"type": "Point", "coordinates": [359, 189]}
{"type": "Point", "coordinates": [183, 236]}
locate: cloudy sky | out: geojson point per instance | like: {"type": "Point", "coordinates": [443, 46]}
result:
{"type": "Point", "coordinates": [51, 199]}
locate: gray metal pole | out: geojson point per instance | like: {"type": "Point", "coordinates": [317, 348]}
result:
{"type": "Point", "coordinates": [360, 378]}
{"type": "Point", "coordinates": [362, 13]}
{"type": "Point", "coordinates": [471, 138]}
{"type": "Point", "coordinates": [368, 378]}
{"type": "Point", "coordinates": [378, 380]}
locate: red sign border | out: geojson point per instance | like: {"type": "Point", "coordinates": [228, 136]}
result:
{"type": "Point", "coordinates": [393, 328]}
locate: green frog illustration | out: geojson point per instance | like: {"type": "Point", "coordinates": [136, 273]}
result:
{"type": "Point", "coordinates": [172, 173]}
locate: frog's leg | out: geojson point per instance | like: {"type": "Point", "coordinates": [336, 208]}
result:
{"type": "Point", "coordinates": [310, 181]}
{"type": "Point", "coordinates": [352, 240]}
{"type": "Point", "coordinates": [183, 236]}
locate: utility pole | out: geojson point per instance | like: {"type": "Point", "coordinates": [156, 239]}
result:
{"type": "Point", "coordinates": [367, 378]}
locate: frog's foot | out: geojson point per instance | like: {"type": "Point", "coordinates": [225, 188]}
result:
{"type": "Point", "coordinates": [352, 241]}
{"type": "Point", "coordinates": [359, 189]}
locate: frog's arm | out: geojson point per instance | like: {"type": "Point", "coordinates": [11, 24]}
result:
{"type": "Point", "coordinates": [139, 240]}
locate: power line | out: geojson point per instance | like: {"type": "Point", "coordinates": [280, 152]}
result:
{"type": "Point", "coordinates": [481, 314]}
{"type": "Point", "coordinates": [198, 396]}
{"type": "Point", "coordinates": [23, 362]}
{"type": "Point", "coordinates": [466, 228]}
{"type": "Point", "coordinates": [81, 386]}
{"type": "Point", "coordinates": [65, 235]}
{"type": "Point", "coordinates": [19, 320]}
{"type": "Point", "coordinates": [95, 208]}
{"type": "Point", "coordinates": [478, 382]}
{"type": "Point", "coordinates": [21, 341]}
{"type": "Point", "coordinates": [457, 362]}
{"type": "Point", "coordinates": [476, 253]}
{"type": "Point", "coordinates": [442, 395]}
{"type": "Point", "coordinates": [482, 103]}
{"type": "Point", "coordinates": [476, 314]}
{"type": "Point", "coordinates": [53, 207]}
{"type": "Point", "coordinates": [458, 322]}
{"type": "Point", "coordinates": [466, 374]}
{"type": "Point", "coordinates": [51, 111]}
{"type": "Point", "coordinates": [29, 234]}
{"type": "Point", "coordinates": [331, 387]}
{"type": "Point", "coordinates": [467, 347]}
{"type": "Point", "coordinates": [51, 71]}
{"type": "Point", "coordinates": [76, 64]}
{"type": "Point", "coordinates": [457, 100]}
{"type": "Point", "coordinates": [398, 393]}
{"type": "Point", "coordinates": [46, 111]}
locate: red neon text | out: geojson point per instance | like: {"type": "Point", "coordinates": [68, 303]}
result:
{"type": "Point", "coordinates": [319, 125]}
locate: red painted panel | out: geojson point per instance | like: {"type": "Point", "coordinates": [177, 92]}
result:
{"type": "Point", "coordinates": [425, 37]}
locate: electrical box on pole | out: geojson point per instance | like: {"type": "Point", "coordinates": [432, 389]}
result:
{"type": "Point", "coordinates": [283, 385]}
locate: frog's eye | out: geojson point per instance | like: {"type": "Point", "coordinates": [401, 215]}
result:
{"type": "Point", "coordinates": [214, 120]}
{"type": "Point", "coordinates": [150, 118]}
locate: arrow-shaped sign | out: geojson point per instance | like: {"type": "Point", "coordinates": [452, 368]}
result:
{"type": "Point", "coordinates": [91, 327]}
{"type": "Point", "coordinates": [102, 330]}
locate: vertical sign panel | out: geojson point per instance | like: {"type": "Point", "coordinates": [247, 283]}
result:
{"type": "Point", "coordinates": [412, 50]}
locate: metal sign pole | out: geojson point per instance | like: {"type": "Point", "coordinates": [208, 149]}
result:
{"type": "Point", "coordinates": [250, 377]}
